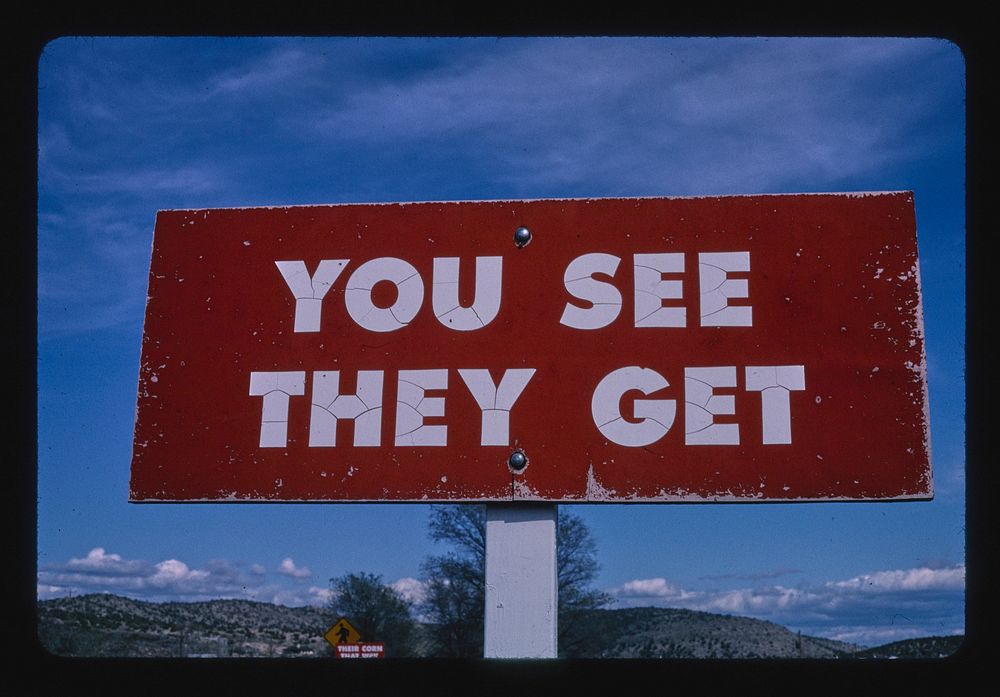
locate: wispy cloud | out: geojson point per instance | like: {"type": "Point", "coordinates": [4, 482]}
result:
{"type": "Point", "coordinates": [92, 268]}
{"type": "Point", "coordinates": [759, 576]}
{"type": "Point", "coordinates": [869, 609]}
{"type": "Point", "coordinates": [276, 68]}
{"type": "Point", "coordinates": [131, 126]}
{"type": "Point", "coordinates": [681, 116]}
{"type": "Point", "coordinates": [146, 182]}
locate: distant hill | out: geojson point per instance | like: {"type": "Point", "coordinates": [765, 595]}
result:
{"type": "Point", "coordinates": [650, 632]}
{"type": "Point", "coordinates": [925, 647]}
{"type": "Point", "coordinates": [110, 625]}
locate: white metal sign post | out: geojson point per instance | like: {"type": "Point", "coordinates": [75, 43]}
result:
{"type": "Point", "coordinates": [522, 598]}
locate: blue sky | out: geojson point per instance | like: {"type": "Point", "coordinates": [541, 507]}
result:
{"type": "Point", "coordinates": [129, 126]}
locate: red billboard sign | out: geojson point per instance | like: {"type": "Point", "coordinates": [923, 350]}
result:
{"type": "Point", "coordinates": [742, 348]}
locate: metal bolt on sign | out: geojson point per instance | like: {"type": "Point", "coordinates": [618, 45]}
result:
{"type": "Point", "coordinates": [517, 461]}
{"type": "Point", "coordinates": [522, 237]}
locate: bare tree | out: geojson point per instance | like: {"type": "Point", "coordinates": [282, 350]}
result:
{"type": "Point", "coordinates": [455, 593]}
{"type": "Point", "coordinates": [576, 560]}
{"type": "Point", "coordinates": [456, 590]}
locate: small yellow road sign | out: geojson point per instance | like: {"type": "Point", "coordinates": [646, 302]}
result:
{"type": "Point", "coordinates": [342, 632]}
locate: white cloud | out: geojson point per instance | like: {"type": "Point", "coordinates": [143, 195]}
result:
{"type": "Point", "coordinates": [318, 595]}
{"type": "Point", "coordinates": [45, 591]}
{"type": "Point", "coordinates": [174, 573]}
{"type": "Point", "coordinates": [95, 559]}
{"type": "Point", "coordinates": [951, 578]}
{"type": "Point", "coordinates": [871, 608]}
{"type": "Point", "coordinates": [411, 589]}
{"type": "Point", "coordinates": [753, 602]}
{"type": "Point", "coordinates": [296, 597]}
{"type": "Point", "coordinates": [98, 561]}
{"type": "Point", "coordinates": [875, 636]}
{"type": "Point", "coordinates": [171, 579]}
{"type": "Point", "coordinates": [647, 588]}
{"type": "Point", "coordinates": [288, 568]}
